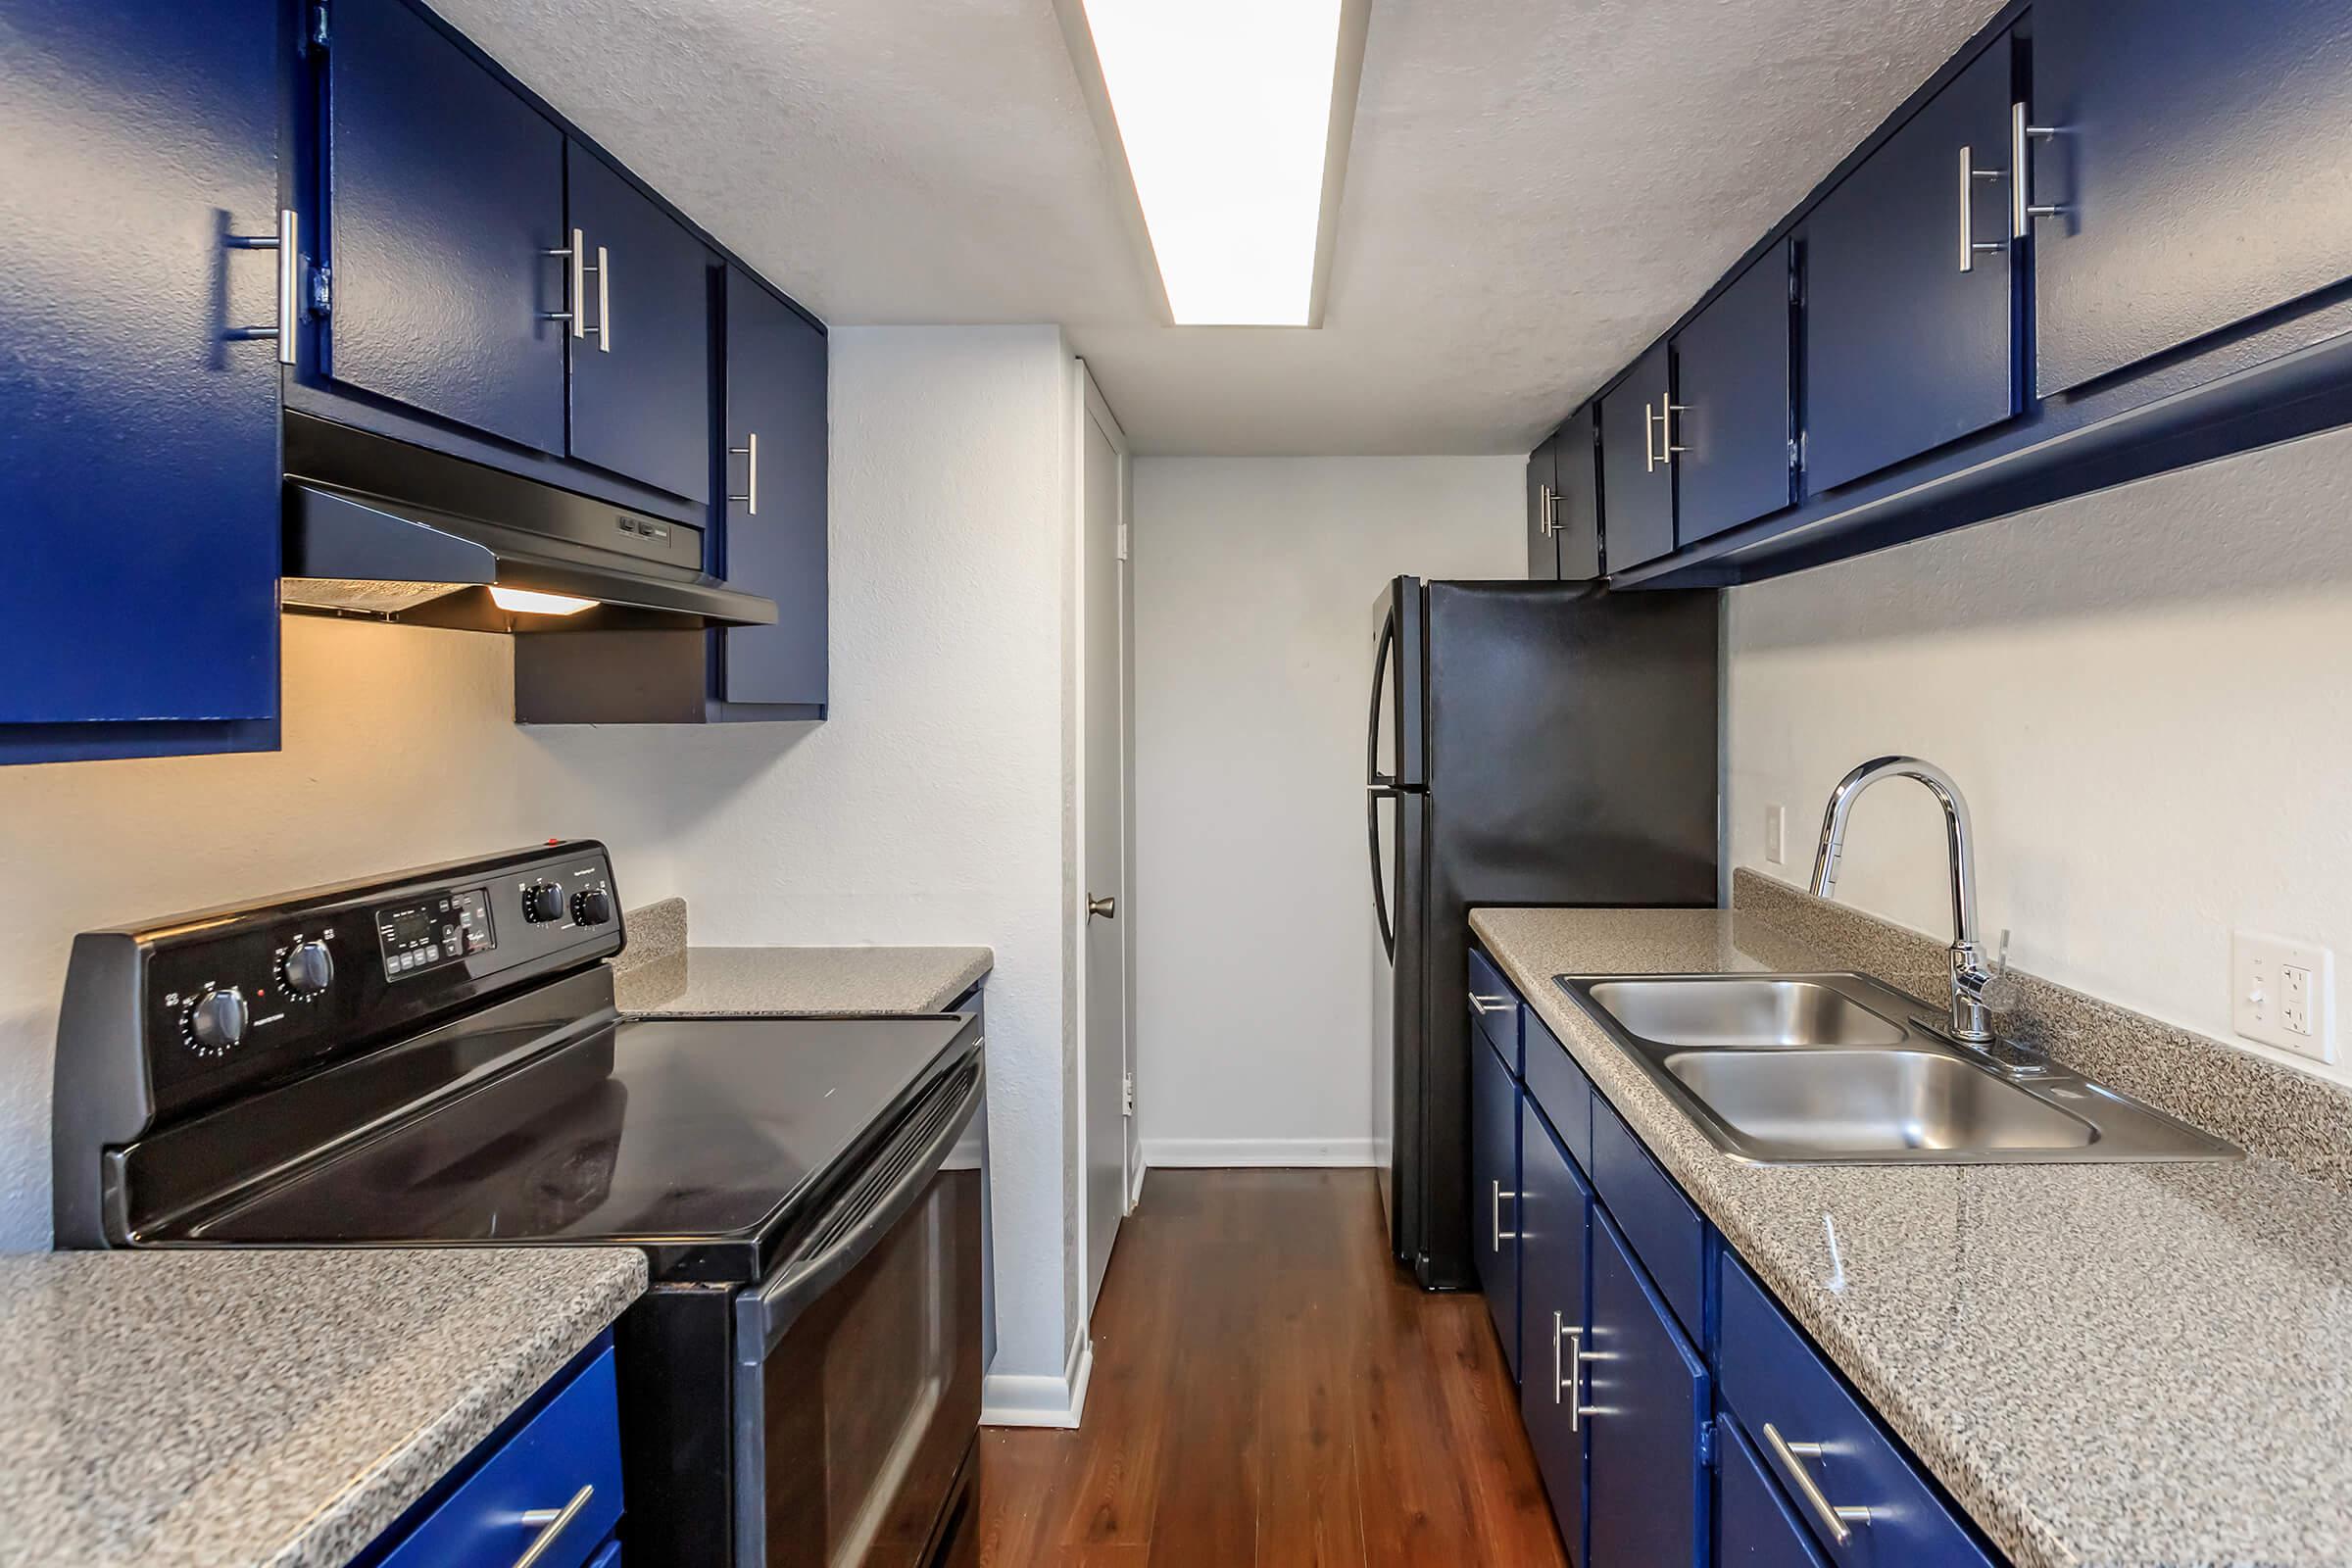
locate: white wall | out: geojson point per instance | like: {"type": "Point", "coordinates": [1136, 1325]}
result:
{"type": "Point", "coordinates": [2146, 695]}
{"type": "Point", "coordinates": [1254, 580]}
{"type": "Point", "coordinates": [401, 748]}
{"type": "Point", "coordinates": [930, 806]}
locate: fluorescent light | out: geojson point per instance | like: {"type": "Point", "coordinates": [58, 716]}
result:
{"type": "Point", "coordinates": [530, 602]}
{"type": "Point", "coordinates": [1225, 110]}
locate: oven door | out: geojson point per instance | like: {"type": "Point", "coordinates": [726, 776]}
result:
{"type": "Point", "coordinates": [859, 1362]}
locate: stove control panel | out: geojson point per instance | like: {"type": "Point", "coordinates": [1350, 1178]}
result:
{"type": "Point", "coordinates": [229, 999]}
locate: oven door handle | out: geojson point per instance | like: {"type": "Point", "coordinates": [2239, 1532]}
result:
{"type": "Point", "coordinates": [798, 1285]}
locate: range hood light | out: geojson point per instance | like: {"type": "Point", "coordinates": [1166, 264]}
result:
{"type": "Point", "coordinates": [528, 602]}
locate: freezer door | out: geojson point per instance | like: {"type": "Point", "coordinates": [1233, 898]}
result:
{"type": "Point", "coordinates": [1394, 754]}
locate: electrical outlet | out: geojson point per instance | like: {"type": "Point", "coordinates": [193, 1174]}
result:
{"type": "Point", "coordinates": [1775, 834]}
{"type": "Point", "coordinates": [2283, 994]}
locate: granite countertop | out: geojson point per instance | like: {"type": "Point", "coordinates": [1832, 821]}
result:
{"type": "Point", "coordinates": [2107, 1366]}
{"type": "Point", "coordinates": [659, 974]}
{"type": "Point", "coordinates": [215, 1408]}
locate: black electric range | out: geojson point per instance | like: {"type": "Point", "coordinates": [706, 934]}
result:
{"type": "Point", "coordinates": [434, 1058]}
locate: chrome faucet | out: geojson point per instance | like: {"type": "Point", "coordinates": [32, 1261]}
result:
{"type": "Point", "coordinates": [1976, 990]}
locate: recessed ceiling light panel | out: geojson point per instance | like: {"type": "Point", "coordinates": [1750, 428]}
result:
{"type": "Point", "coordinates": [1225, 111]}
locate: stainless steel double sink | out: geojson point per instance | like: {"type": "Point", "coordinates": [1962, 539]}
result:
{"type": "Point", "coordinates": [1840, 1070]}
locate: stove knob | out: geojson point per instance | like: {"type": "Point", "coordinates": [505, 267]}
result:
{"type": "Point", "coordinates": [310, 969]}
{"type": "Point", "coordinates": [543, 902]}
{"type": "Point", "coordinates": [592, 906]}
{"type": "Point", "coordinates": [216, 1021]}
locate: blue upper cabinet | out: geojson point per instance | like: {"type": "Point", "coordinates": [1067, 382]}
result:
{"type": "Point", "coordinates": [1649, 1392]}
{"type": "Point", "coordinates": [1542, 500]}
{"type": "Point", "coordinates": [138, 455]}
{"type": "Point", "coordinates": [1732, 379]}
{"type": "Point", "coordinates": [641, 354]}
{"type": "Point", "coordinates": [446, 198]}
{"type": "Point", "coordinates": [2202, 166]}
{"type": "Point", "coordinates": [1636, 465]}
{"type": "Point", "coordinates": [1576, 507]}
{"type": "Point", "coordinates": [775, 545]}
{"type": "Point", "coordinates": [1909, 326]}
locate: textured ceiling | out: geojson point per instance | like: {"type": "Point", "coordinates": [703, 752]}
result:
{"type": "Point", "coordinates": [1534, 189]}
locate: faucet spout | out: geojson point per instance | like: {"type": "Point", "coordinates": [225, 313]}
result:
{"type": "Point", "coordinates": [1971, 1016]}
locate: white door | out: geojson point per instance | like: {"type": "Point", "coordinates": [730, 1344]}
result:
{"type": "Point", "coordinates": [1103, 825]}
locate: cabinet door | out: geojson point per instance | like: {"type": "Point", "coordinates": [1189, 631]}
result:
{"type": "Point", "coordinates": [641, 372]}
{"type": "Point", "coordinates": [1576, 515]}
{"type": "Point", "coordinates": [138, 455]}
{"type": "Point", "coordinates": [1636, 474]}
{"type": "Point", "coordinates": [1904, 349]}
{"type": "Point", "coordinates": [445, 191]}
{"type": "Point", "coordinates": [1543, 553]}
{"type": "Point", "coordinates": [1495, 1192]}
{"type": "Point", "coordinates": [2204, 163]}
{"type": "Point", "coordinates": [1554, 1226]}
{"type": "Point", "coordinates": [1754, 1526]}
{"type": "Point", "coordinates": [774, 541]}
{"type": "Point", "coordinates": [1731, 375]}
{"type": "Point", "coordinates": [1649, 1393]}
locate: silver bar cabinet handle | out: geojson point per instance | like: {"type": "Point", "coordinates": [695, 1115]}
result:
{"type": "Point", "coordinates": [287, 242]}
{"type": "Point", "coordinates": [1546, 513]}
{"type": "Point", "coordinates": [1500, 1234]}
{"type": "Point", "coordinates": [1970, 246]}
{"type": "Point", "coordinates": [2022, 210]}
{"type": "Point", "coordinates": [1834, 1519]}
{"type": "Point", "coordinates": [552, 1523]}
{"type": "Point", "coordinates": [1666, 413]}
{"type": "Point", "coordinates": [1485, 1003]}
{"type": "Point", "coordinates": [603, 301]}
{"type": "Point", "coordinates": [1578, 1410]}
{"type": "Point", "coordinates": [572, 312]}
{"type": "Point", "coordinates": [750, 453]}
{"type": "Point", "coordinates": [1649, 439]}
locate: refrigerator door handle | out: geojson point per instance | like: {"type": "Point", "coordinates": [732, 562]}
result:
{"type": "Point", "coordinates": [1373, 796]}
{"type": "Point", "coordinates": [1379, 678]}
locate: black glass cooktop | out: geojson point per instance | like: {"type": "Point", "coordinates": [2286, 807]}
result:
{"type": "Point", "coordinates": [702, 1139]}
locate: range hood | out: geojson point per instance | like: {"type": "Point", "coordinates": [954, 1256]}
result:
{"type": "Point", "coordinates": [377, 527]}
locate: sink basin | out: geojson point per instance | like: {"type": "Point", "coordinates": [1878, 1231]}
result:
{"type": "Point", "coordinates": [1839, 1069]}
{"type": "Point", "coordinates": [1739, 1012]}
{"type": "Point", "coordinates": [1872, 1101]}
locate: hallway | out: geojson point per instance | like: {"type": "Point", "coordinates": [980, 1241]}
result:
{"type": "Point", "coordinates": [1268, 1389]}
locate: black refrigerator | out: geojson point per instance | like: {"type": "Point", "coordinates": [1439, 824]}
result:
{"type": "Point", "coordinates": [1530, 742]}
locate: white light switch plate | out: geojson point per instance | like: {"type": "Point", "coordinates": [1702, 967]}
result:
{"type": "Point", "coordinates": [2282, 993]}
{"type": "Point", "coordinates": [1775, 834]}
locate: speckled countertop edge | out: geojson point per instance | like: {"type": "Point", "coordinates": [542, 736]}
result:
{"type": "Point", "coordinates": [2190, 1418]}
{"type": "Point", "coordinates": [200, 1408]}
{"type": "Point", "coordinates": [660, 975]}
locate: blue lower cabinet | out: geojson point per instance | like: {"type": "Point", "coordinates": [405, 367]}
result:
{"type": "Point", "coordinates": [1755, 1524]}
{"type": "Point", "coordinates": [1646, 1433]}
{"type": "Point", "coordinates": [1495, 1193]}
{"type": "Point", "coordinates": [1824, 1445]}
{"type": "Point", "coordinates": [1555, 1221]}
{"type": "Point", "coordinates": [139, 452]}
{"type": "Point", "coordinates": [557, 1472]}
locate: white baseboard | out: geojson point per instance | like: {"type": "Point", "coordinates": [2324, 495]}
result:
{"type": "Point", "coordinates": [1135, 1193]}
{"type": "Point", "coordinates": [1039, 1400]}
{"type": "Point", "coordinates": [1294, 1152]}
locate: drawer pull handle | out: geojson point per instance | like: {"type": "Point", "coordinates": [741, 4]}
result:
{"type": "Point", "coordinates": [1500, 1234]}
{"type": "Point", "coordinates": [552, 1523]}
{"type": "Point", "coordinates": [1489, 1005]}
{"type": "Point", "coordinates": [1833, 1519]}
{"type": "Point", "coordinates": [1575, 1362]}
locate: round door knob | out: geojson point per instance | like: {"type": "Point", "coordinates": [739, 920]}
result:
{"type": "Point", "coordinates": [216, 1021]}
{"type": "Point", "coordinates": [592, 906]}
{"type": "Point", "coordinates": [1107, 908]}
{"type": "Point", "coordinates": [543, 902]}
{"type": "Point", "coordinates": [310, 968]}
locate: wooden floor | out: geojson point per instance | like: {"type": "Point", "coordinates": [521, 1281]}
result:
{"type": "Point", "coordinates": [1268, 1389]}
